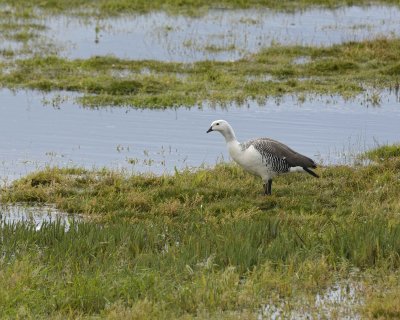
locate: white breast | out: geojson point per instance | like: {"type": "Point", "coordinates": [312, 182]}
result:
{"type": "Point", "coordinates": [251, 160]}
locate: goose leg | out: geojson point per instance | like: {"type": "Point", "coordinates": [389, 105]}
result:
{"type": "Point", "coordinates": [270, 186]}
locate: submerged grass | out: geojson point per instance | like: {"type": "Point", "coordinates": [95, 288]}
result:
{"type": "Point", "coordinates": [202, 244]}
{"type": "Point", "coordinates": [345, 69]}
{"type": "Point", "coordinates": [22, 34]}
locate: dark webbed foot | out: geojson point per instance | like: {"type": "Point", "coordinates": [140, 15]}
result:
{"type": "Point", "coordinates": [268, 187]}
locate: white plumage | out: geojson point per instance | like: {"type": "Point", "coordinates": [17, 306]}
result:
{"type": "Point", "coordinates": [263, 157]}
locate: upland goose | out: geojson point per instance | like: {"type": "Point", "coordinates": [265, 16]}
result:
{"type": "Point", "coordinates": [263, 157]}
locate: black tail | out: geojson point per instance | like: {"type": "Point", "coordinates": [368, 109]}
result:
{"type": "Point", "coordinates": [310, 172]}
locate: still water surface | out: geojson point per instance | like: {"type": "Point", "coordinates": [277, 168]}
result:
{"type": "Point", "coordinates": [33, 135]}
{"type": "Point", "coordinates": [219, 34]}
{"type": "Point", "coordinates": [340, 301]}
{"type": "Point", "coordinates": [36, 216]}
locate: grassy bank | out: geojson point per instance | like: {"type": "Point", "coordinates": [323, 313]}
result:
{"type": "Point", "coordinates": [346, 70]}
{"type": "Point", "coordinates": [191, 7]}
{"type": "Point", "coordinates": [203, 244]}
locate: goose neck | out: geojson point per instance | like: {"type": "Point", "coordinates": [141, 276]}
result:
{"type": "Point", "coordinates": [229, 135]}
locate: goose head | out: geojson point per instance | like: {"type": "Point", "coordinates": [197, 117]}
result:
{"type": "Point", "coordinates": [224, 128]}
{"type": "Point", "coordinates": [220, 125]}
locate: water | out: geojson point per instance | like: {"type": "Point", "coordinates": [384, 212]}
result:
{"type": "Point", "coordinates": [328, 129]}
{"type": "Point", "coordinates": [220, 34]}
{"type": "Point", "coordinates": [36, 215]}
{"type": "Point", "coordinates": [339, 301]}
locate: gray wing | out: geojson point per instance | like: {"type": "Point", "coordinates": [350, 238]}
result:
{"type": "Point", "coordinates": [269, 147]}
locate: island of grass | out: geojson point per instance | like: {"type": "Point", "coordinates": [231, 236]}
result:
{"type": "Point", "coordinates": [347, 70]}
{"type": "Point", "coordinates": [204, 244]}
{"type": "Point", "coordinates": [191, 7]}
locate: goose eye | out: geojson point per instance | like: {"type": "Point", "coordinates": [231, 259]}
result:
{"type": "Point", "coordinates": [217, 123]}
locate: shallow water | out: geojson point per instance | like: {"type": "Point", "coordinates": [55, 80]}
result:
{"type": "Point", "coordinates": [327, 129]}
{"type": "Point", "coordinates": [36, 215]}
{"type": "Point", "coordinates": [339, 301]}
{"type": "Point", "coordinates": [220, 34]}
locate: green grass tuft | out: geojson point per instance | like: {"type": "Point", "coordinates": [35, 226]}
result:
{"type": "Point", "coordinates": [383, 153]}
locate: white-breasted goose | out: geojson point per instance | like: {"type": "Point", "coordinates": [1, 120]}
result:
{"type": "Point", "coordinates": [263, 157]}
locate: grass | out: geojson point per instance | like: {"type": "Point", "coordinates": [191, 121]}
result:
{"type": "Point", "coordinates": [202, 244]}
{"type": "Point", "coordinates": [383, 153]}
{"type": "Point", "coordinates": [347, 70]}
{"type": "Point", "coordinates": [191, 7]}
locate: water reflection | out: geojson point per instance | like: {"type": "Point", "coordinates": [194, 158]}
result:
{"type": "Point", "coordinates": [329, 129]}
{"type": "Point", "coordinates": [220, 34]}
{"type": "Point", "coordinates": [36, 215]}
{"type": "Point", "coordinates": [341, 301]}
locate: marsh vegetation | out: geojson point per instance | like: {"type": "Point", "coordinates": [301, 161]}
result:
{"type": "Point", "coordinates": [198, 242]}
{"type": "Point", "coordinates": [204, 243]}
{"type": "Point", "coordinates": [259, 67]}
{"type": "Point", "coordinates": [193, 7]}
{"type": "Point", "coordinates": [346, 70]}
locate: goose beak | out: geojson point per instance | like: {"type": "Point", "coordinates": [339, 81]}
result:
{"type": "Point", "coordinates": [209, 130]}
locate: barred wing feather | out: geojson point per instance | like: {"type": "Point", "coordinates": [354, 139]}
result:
{"type": "Point", "coordinates": [272, 147]}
